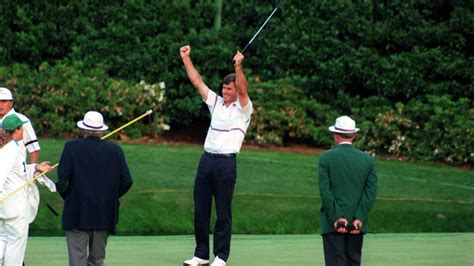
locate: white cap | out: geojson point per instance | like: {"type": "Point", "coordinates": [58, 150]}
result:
{"type": "Point", "coordinates": [344, 124]}
{"type": "Point", "coordinates": [5, 94]}
{"type": "Point", "coordinates": [93, 121]}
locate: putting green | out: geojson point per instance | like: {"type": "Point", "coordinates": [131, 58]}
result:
{"type": "Point", "coordinates": [379, 249]}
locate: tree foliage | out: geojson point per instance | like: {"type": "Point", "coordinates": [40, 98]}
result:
{"type": "Point", "coordinates": [336, 55]}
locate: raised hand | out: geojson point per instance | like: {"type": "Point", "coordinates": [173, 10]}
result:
{"type": "Point", "coordinates": [238, 58]}
{"type": "Point", "coordinates": [185, 51]}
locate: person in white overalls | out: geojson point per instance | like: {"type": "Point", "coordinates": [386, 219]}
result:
{"type": "Point", "coordinates": [15, 211]}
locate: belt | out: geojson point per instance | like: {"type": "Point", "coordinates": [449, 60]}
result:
{"type": "Point", "coordinates": [219, 154]}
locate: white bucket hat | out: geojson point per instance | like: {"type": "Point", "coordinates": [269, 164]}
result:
{"type": "Point", "coordinates": [344, 124]}
{"type": "Point", "coordinates": [92, 121]}
{"type": "Point", "coordinates": [6, 94]}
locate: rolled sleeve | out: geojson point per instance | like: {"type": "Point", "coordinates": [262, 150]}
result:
{"type": "Point", "coordinates": [248, 109]}
{"type": "Point", "coordinates": [211, 98]}
{"type": "Point", "coordinates": [29, 138]}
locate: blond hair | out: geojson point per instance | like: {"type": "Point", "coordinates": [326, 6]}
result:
{"type": "Point", "coordinates": [5, 137]}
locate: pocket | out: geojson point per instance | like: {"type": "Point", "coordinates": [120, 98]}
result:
{"type": "Point", "coordinates": [228, 168]}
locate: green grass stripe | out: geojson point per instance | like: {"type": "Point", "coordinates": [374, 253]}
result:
{"type": "Point", "coordinates": [275, 193]}
{"type": "Point", "coordinates": [248, 250]}
{"type": "Point", "coordinates": [426, 200]}
{"type": "Point", "coordinates": [280, 195]}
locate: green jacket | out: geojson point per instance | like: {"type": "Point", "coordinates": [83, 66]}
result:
{"type": "Point", "coordinates": [348, 185]}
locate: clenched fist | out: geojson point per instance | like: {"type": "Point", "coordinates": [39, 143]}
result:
{"type": "Point", "coordinates": [185, 51]}
{"type": "Point", "coordinates": [238, 58]}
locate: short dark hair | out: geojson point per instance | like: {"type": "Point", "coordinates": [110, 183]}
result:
{"type": "Point", "coordinates": [95, 133]}
{"type": "Point", "coordinates": [346, 135]}
{"type": "Point", "coordinates": [229, 78]}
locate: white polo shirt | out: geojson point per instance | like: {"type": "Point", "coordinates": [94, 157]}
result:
{"type": "Point", "coordinates": [30, 141]}
{"type": "Point", "coordinates": [228, 125]}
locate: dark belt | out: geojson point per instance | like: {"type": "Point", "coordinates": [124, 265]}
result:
{"type": "Point", "coordinates": [219, 154]}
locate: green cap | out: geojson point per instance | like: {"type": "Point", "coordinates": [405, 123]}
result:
{"type": "Point", "coordinates": [12, 122]}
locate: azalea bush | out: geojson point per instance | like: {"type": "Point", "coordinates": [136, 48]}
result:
{"type": "Point", "coordinates": [283, 113]}
{"type": "Point", "coordinates": [436, 129]}
{"type": "Point", "coordinates": [56, 97]}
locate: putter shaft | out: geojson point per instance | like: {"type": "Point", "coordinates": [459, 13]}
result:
{"type": "Point", "coordinates": [259, 30]}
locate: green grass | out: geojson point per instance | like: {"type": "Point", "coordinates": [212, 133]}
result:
{"type": "Point", "coordinates": [249, 250]}
{"type": "Point", "coordinates": [276, 193]}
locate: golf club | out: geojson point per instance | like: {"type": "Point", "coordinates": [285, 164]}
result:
{"type": "Point", "coordinates": [147, 113]}
{"type": "Point", "coordinates": [260, 29]}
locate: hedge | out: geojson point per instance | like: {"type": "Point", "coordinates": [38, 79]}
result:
{"type": "Point", "coordinates": [56, 97]}
{"type": "Point", "coordinates": [384, 62]}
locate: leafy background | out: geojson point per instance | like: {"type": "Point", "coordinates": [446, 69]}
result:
{"type": "Point", "coordinates": [402, 69]}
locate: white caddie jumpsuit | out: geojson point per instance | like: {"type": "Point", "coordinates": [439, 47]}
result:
{"type": "Point", "coordinates": [14, 211]}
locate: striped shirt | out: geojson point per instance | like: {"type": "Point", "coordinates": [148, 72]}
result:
{"type": "Point", "coordinates": [30, 141]}
{"type": "Point", "coordinates": [228, 125]}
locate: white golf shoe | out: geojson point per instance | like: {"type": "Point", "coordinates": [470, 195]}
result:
{"type": "Point", "coordinates": [195, 261]}
{"type": "Point", "coordinates": [218, 262]}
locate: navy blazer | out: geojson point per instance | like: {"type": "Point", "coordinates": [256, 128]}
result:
{"type": "Point", "coordinates": [95, 175]}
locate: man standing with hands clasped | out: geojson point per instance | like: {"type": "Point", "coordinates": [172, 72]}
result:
{"type": "Point", "coordinates": [348, 185]}
{"type": "Point", "coordinates": [217, 171]}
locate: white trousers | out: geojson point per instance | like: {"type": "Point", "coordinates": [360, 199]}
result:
{"type": "Point", "coordinates": [13, 239]}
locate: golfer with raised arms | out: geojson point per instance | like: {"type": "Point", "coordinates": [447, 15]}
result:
{"type": "Point", "coordinates": [348, 185]}
{"type": "Point", "coordinates": [217, 170]}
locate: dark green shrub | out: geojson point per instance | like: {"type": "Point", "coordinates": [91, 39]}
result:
{"type": "Point", "coordinates": [283, 113]}
{"type": "Point", "coordinates": [443, 129]}
{"type": "Point", "coordinates": [56, 97]}
{"type": "Point", "coordinates": [352, 52]}
{"type": "Point", "coordinates": [437, 129]}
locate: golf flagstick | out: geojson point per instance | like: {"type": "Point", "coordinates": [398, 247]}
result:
{"type": "Point", "coordinates": [147, 113]}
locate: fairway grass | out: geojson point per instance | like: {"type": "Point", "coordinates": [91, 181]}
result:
{"type": "Point", "coordinates": [258, 250]}
{"type": "Point", "coordinates": [276, 193]}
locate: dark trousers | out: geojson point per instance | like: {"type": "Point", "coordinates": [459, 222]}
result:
{"type": "Point", "coordinates": [216, 177]}
{"type": "Point", "coordinates": [79, 241]}
{"type": "Point", "coordinates": [342, 249]}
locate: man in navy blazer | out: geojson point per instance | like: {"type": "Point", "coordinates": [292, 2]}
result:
{"type": "Point", "coordinates": [92, 176]}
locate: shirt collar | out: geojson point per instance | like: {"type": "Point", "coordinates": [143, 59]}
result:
{"type": "Point", "coordinates": [12, 111]}
{"type": "Point", "coordinates": [345, 142]}
{"type": "Point", "coordinates": [232, 104]}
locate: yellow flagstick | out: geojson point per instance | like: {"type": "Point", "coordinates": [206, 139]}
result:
{"type": "Point", "coordinates": [149, 112]}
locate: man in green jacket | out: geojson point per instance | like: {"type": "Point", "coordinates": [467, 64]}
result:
{"type": "Point", "coordinates": [348, 185]}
